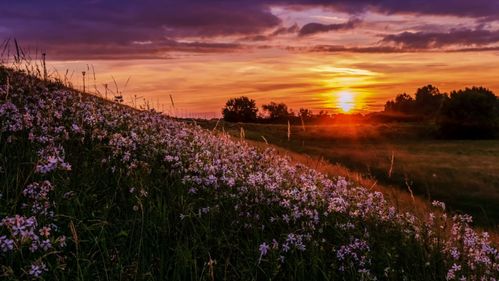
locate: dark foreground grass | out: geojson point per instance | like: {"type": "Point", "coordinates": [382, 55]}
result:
{"type": "Point", "coordinates": [92, 190]}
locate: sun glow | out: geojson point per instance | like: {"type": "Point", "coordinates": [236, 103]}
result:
{"type": "Point", "coordinates": [345, 101]}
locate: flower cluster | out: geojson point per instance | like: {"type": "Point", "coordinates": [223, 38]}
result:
{"type": "Point", "coordinates": [38, 195]}
{"type": "Point", "coordinates": [470, 251]}
{"type": "Point", "coordinates": [354, 255]}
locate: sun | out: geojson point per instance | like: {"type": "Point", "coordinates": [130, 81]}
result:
{"type": "Point", "coordinates": [345, 101]}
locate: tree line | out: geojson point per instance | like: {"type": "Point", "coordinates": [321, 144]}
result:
{"type": "Point", "coordinates": [244, 109]}
{"type": "Point", "coordinates": [466, 113]}
{"type": "Point", "coordinates": [470, 112]}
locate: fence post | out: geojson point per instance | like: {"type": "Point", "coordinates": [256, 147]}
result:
{"type": "Point", "coordinates": [83, 73]}
{"type": "Point", "coordinates": [44, 67]}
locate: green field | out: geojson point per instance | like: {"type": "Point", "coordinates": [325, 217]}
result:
{"type": "Point", "coordinates": [462, 173]}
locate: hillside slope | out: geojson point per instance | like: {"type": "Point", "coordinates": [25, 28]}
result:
{"type": "Point", "coordinates": [96, 190]}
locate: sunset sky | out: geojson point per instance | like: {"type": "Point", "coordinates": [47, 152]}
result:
{"type": "Point", "coordinates": [343, 55]}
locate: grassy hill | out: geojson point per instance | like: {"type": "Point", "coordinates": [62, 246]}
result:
{"type": "Point", "coordinates": [92, 190]}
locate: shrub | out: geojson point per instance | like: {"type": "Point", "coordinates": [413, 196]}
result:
{"type": "Point", "coordinates": [469, 113]}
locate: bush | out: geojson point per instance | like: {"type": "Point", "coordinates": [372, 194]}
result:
{"type": "Point", "coordinates": [469, 113]}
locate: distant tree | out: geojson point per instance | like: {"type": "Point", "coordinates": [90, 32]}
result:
{"type": "Point", "coordinates": [429, 101]}
{"type": "Point", "coordinates": [403, 103]}
{"type": "Point", "coordinates": [469, 113]}
{"type": "Point", "coordinates": [305, 113]}
{"type": "Point", "coordinates": [390, 106]}
{"type": "Point", "coordinates": [240, 109]}
{"type": "Point", "coordinates": [323, 114]}
{"type": "Point", "coordinates": [277, 111]}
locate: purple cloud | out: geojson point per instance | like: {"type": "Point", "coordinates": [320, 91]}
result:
{"type": "Point", "coordinates": [426, 40]}
{"type": "Point", "coordinates": [340, 48]}
{"type": "Point", "coordinates": [105, 25]}
{"type": "Point", "coordinates": [135, 50]}
{"type": "Point", "coordinates": [265, 37]}
{"type": "Point", "coordinates": [121, 21]}
{"type": "Point", "coordinates": [286, 30]}
{"type": "Point", "coordinates": [476, 8]}
{"type": "Point", "coordinates": [113, 26]}
{"type": "Point", "coordinates": [313, 28]}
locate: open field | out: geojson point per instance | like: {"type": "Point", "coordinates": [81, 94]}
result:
{"type": "Point", "coordinates": [462, 173]}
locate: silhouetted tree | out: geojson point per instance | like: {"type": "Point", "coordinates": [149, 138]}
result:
{"type": "Point", "coordinates": [469, 113]}
{"type": "Point", "coordinates": [277, 111]}
{"type": "Point", "coordinates": [305, 113]}
{"type": "Point", "coordinates": [429, 101]}
{"type": "Point", "coordinates": [240, 109]}
{"type": "Point", "coordinates": [403, 103]}
{"type": "Point", "coordinates": [323, 114]}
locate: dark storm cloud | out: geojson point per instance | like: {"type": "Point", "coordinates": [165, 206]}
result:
{"type": "Point", "coordinates": [313, 28]}
{"type": "Point", "coordinates": [426, 40]}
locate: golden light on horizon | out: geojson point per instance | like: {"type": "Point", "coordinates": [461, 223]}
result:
{"type": "Point", "coordinates": [346, 100]}
{"type": "Point", "coordinates": [359, 84]}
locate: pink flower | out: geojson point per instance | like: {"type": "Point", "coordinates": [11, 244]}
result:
{"type": "Point", "coordinates": [45, 231]}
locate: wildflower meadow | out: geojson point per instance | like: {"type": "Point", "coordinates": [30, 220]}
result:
{"type": "Point", "coordinates": [96, 190]}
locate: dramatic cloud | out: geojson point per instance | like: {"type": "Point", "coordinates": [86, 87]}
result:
{"type": "Point", "coordinates": [120, 21]}
{"type": "Point", "coordinates": [425, 40]}
{"type": "Point", "coordinates": [113, 26]}
{"type": "Point", "coordinates": [313, 28]}
{"type": "Point", "coordinates": [135, 27]}
{"type": "Point", "coordinates": [123, 21]}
